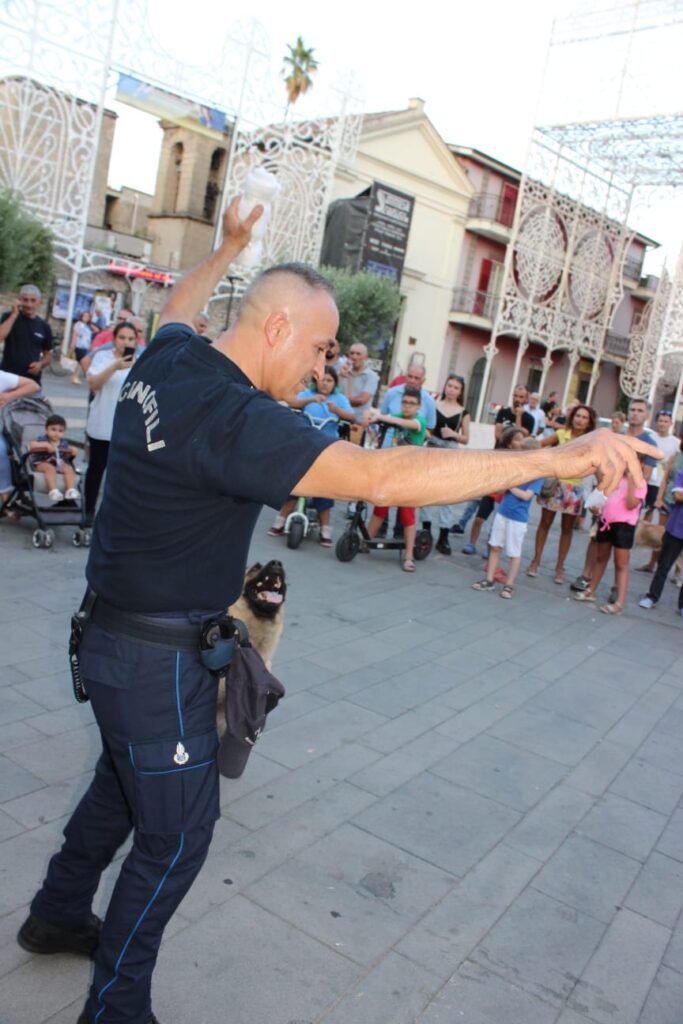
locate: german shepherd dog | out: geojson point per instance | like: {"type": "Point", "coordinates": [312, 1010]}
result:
{"type": "Point", "coordinates": [261, 607]}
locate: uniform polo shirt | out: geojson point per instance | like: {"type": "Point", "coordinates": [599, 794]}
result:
{"type": "Point", "coordinates": [196, 451]}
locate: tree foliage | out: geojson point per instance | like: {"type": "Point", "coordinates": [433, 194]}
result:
{"type": "Point", "coordinates": [25, 247]}
{"type": "Point", "coordinates": [368, 307]}
{"type": "Point", "coordinates": [299, 65]}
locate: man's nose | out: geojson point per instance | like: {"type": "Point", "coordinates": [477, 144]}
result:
{"type": "Point", "coordinates": [319, 368]}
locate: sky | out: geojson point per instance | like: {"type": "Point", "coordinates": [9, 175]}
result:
{"type": "Point", "coordinates": [478, 67]}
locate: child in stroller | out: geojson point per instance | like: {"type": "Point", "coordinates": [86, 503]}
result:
{"type": "Point", "coordinates": [23, 422]}
{"type": "Point", "coordinates": [51, 454]}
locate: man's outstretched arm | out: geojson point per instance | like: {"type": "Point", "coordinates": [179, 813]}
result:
{"type": "Point", "coordinates": [193, 290]}
{"type": "Point", "coordinates": [431, 476]}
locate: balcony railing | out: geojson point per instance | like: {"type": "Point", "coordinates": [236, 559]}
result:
{"type": "Point", "coordinates": [492, 206]}
{"type": "Point", "coordinates": [616, 344]}
{"type": "Point", "coordinates": [467, 300]}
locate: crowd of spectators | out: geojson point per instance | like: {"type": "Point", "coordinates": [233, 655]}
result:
{"type": "Point", "coordinates": [412, 415]}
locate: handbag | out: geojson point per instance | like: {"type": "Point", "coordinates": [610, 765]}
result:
{"type": "Point", "coordinates": [548, 487]}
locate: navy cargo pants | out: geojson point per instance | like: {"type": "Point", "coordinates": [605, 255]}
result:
{"type": "Point", "coordinates": [157, 775]}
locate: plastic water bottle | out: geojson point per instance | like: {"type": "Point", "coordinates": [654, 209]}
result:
{"type": "Point", "coordinates": [260, 186]}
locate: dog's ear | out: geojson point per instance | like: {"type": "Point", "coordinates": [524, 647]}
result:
{"type": "Point", "coordinates": [253, 569]}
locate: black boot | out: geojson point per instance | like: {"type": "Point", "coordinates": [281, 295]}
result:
{"type": "Point", "coordinates": [442, 544]}
{"type": "Point", "coordinates": [80, 937]}
{"type": "Point", "coordinates": [84, 1020]}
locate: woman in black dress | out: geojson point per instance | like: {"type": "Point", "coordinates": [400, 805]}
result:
{"type": "Point", "coordinates": [452, 430]}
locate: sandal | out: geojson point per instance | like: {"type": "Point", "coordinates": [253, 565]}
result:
{"type": "Point", "coordinates": [409, 565]}
{"type": "Point", "coordinates": [507, 591]}
{"type": "Point", "coordinates": [585, 595]}
{"type": "Point", "coordinates": [532, 572]}
{"type": "Point", "coordinates": [484, 585]}
{"type": "Point", "coordinates": [612, 609]}
{"type": "Point", "coordinates": [559, 578]}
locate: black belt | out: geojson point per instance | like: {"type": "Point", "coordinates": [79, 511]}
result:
{"type": "Point", "coordinates": [145, 629]}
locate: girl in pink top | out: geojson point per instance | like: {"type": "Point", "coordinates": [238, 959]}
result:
{"type": "Point", "coordinates": [616, 532]}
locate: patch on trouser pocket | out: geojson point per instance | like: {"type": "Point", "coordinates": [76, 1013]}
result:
{"type": "Point", "coordinates": [176, 783]}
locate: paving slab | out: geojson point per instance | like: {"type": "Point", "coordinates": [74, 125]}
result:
{"type": "Point", "coordinates": [253, 966]}
{"type": "Point", "coordinates": [353, 892]}
{"type": "Point", "coordinates": [541, 944]}
{"type": "Point", "coordinates": [616, 982]}
{"type": "Point", "coordinates": [438, 821]}
{"type": "Point", "coordinates": [588, 876]}
{"type": "Point", "coordinates": [479, 996]}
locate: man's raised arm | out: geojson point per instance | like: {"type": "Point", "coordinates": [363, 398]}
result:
{"type": "Point", "coordinates": [193, 290]}
{"type": "Point", "coordinates": [413, 476]}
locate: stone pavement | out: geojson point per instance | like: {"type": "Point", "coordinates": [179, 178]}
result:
{"type": "Point", "coordinates": [464, 809]}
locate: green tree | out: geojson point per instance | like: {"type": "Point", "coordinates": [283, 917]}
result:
{"type": "Point", "coordinates": [368, 307]}
{"type": "Point", "coordinates": [299, 65]}
{"type": "Point", "coordinates": [25, 247]}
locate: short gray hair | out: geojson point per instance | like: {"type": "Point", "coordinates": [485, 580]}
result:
{"type": "Point", "coordinates": [30, 289]}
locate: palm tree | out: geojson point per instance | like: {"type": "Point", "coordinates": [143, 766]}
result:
{"type": "Point", "coordinates": [299, 65]}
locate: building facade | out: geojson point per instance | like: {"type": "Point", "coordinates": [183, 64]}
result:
{"type": "Point", "coordinates": [477, 294]}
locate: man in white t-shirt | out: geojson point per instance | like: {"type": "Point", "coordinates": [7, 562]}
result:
{"type": "Point", "coordinates": [533, 407]}
{"type": "Point", "coordinates": [11, 386]}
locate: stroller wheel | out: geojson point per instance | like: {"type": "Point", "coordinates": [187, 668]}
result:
{"type": "Point", "coordinates": [49, 538]}
{"type": "Point", "coordinates": [38, 538]}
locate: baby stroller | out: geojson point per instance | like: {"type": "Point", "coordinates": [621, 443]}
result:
{"type": "Point", "coordinates": [22, 422]}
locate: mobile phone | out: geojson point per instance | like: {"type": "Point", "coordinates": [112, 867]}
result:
{"type": "Point", "coordinates": [128, 351]}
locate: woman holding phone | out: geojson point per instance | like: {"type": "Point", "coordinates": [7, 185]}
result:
{"type": "Point", "coordinates": [106, 375]}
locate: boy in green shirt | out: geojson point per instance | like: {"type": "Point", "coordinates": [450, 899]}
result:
{"type": "Point", "coordinates": [409, 428]}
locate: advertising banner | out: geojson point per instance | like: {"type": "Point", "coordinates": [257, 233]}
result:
{"type": "Point", "coordinates": [386, 231]}
{"type": "Point", "coordinates": [167, 105]}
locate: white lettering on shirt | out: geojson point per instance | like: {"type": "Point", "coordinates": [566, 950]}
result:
{"type": "Point", "coordinates": [145, 397]}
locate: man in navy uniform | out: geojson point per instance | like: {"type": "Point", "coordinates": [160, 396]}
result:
{"type": "Point", "coordinates": [200, 444]}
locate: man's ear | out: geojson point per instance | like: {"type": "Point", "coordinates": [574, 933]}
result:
{"type": "Point", "coordinates": [276, 327]}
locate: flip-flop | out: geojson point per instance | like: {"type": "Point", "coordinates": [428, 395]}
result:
{"type": "Point", "coordinates": [507, 591]}
{"type": "Point", "coordinates": [611, 609]}
{"type": "Point", "coordinates": [532, 572]}
{"type": "Point", "coordinates": [559, 580]}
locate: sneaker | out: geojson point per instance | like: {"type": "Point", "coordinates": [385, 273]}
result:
{"type": "Point", "coordinates": [458, 529]}
{"type": "Point", "coordinates": [646, 602]}
{"type": "Point", "coordinates": [72, 494]}
{"type": "Point", "coordinates": [580, 584]}
{"type": "Point", "coordinates": [55, 495]}
{"type": "Point", "coordinates": [469, 549]}
{"type": "Point", "coordinates": [80, 937]}
{"type": "Point", "coordinates": [276, 531]}
{"type": "Point", "coordinates": [326, 537]}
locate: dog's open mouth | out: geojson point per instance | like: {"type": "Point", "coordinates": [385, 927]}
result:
{"type": "Point", "coordinates": [269, 590]}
